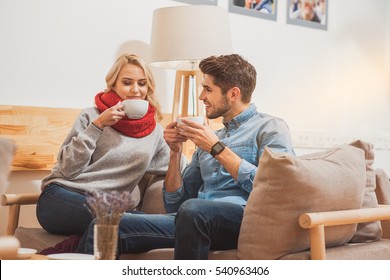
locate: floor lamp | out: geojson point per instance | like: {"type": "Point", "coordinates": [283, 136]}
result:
{"type": "Point", "coordinates": [181, 36]}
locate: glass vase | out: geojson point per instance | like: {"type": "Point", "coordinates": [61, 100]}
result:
{"type": "Point", "coordinates": [105, 242]}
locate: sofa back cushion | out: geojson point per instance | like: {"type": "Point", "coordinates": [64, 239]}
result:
{"type": "Point", "coordinates": [372, 231]}
{"type": "Point", "coordinates": [383, 193]}
{"type": "Point", "coordinates": [286, 186]}
{"type": "Point", "coordinates": [152, 200]}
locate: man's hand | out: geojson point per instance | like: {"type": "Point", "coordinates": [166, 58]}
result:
{"type": "Point", "coordinates": [174, 138]}
{"type": "Point", "coordinates": [202, 136]}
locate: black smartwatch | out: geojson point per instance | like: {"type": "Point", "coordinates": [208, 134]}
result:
{"type": "Point", "coordinates": [217, 148]}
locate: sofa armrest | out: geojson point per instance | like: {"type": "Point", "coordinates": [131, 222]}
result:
{"type": "Point", "coordinates": [8, 199]}
{"type": "Point", "coordinates": [316, 223]}
{"type": "Point", "coordinates": [14, 201]}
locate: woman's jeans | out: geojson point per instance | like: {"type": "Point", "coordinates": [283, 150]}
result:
{"type": "Point", "coordinates": [199, 226]}
{"type": "Point", "coordinates": [62, 211]}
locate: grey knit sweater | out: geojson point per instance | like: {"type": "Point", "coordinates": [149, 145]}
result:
{"type": "Point", "coordinates": [91, 158]}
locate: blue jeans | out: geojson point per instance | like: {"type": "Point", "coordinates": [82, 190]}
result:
{"type": "Point", "coordinates": [198, 227]}
{"type": "Point", "coordinates": [62, 211]}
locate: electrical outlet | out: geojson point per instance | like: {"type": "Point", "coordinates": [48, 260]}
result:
{"type": "Point", "coordinates": [314, 140]}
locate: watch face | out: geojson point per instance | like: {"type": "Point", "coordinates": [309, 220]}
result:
{"type": "Point", "coordinates": [217, 148]}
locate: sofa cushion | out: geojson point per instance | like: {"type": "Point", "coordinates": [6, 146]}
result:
{"type": "Point", "coordinates": [37, 238]}
{"type": "Point", "coordinates": [286, 186]}
{"type": "Point", "coordinates": [372, 231]}
{"type": "Point", "coordinates": [383, 186]}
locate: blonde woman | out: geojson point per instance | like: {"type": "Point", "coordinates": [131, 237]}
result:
{"type": "Point", "coordinates": [105, 150]}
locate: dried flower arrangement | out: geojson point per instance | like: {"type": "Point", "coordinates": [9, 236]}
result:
{"type": "Point", "coordinates": [108, 206]}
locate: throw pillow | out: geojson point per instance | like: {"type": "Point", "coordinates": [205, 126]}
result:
{"type": "Point", "coordinates": [286, 186]}
{"type": "Point", "coordinates": [372, 231]}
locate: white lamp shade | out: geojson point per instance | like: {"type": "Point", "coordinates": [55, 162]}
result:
{"type": "Point", "coordinates": [184, 35]}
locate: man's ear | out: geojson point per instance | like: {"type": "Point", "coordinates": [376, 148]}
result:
{"type": "Point", "coordinates": [235, 94]}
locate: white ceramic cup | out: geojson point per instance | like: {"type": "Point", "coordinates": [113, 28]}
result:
{"type": "Point", "coordinates": [197, 119]}
{"type": "Point", "coordinates": [135, 108]}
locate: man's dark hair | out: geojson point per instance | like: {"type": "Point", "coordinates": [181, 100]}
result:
{"type": "Point", "coordinates": [230, 71]}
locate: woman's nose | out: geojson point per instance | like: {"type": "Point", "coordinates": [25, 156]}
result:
{"type": "Point", "coordinates": [134, 88]}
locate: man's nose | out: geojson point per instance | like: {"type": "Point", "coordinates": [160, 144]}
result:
{"type": "Point", "coordinates": [202, 95]}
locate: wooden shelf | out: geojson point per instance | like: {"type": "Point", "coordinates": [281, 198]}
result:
{"type": "Point", "coordinates": [38, 133]}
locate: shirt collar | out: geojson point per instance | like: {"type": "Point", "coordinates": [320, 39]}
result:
{"type": "Point", "coordinates": [242, 117]}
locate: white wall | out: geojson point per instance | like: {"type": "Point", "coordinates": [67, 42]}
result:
{"type": "Point", "coordinates": [328, 85]}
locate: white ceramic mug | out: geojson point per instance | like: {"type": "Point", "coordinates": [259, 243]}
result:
{"type": "Point", "coordinates": [197, 119]}
{"type": "Point", "coordinates": [135, 108]}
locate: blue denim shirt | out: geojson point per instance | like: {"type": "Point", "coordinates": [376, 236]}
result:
{"type": "Point", "coordinates": [246, 135]}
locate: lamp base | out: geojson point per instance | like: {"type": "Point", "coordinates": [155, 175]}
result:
{"type": "Point", "coordinates": [183, 92]}
{"type": "Point", "coordinates": [187, 88]}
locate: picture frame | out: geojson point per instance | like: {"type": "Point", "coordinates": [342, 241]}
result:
{"type": "Point", "coordinates": [309, 13]}
{"type": "Point", "coordinates": [199, 2]}
{"type": "Point", "coordinates": [266, 9]}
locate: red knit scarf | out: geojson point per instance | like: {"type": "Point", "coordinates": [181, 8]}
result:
{"type": "Point", "coordinates": [133, 128]}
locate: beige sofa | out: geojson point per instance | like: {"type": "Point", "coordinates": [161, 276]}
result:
{"type": "Point", "coordinates": [278, 224]}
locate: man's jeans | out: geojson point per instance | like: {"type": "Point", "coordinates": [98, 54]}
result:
{"type": "Point", "coordinates": [199, 226]}
{"type": "Point", "coordinates": [62, 211]}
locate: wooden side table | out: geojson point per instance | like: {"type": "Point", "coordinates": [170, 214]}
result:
{"type": "Point", "coordinates": [37, 257]}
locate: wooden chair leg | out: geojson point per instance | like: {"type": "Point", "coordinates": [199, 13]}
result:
{"type": "Point", "coordinates": [13, 219]}
{"type": "Point", "coordinates": [317, 240]}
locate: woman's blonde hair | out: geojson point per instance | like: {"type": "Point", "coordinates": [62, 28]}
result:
{"type": "Point", "coordinates": [125, 59]}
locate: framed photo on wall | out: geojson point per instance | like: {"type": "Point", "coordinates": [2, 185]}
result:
{"type": "Point", "coordinates": [255, 8]}
{"type": "Point", "coordinates": [310, 13]}
{"type": "Point", "coordinates": [199, 2]}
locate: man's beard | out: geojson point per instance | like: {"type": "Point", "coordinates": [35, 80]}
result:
{"type": "Point", "coordinates": [220, 110]}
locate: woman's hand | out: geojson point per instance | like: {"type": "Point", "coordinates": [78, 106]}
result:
{"type": "Point", "coordinates": [110, 116]}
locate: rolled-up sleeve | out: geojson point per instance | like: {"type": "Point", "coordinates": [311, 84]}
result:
{"type": "Point", "coordinates": [173, 200]}
{"type": "Point", "coordinates": [246, 175]}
